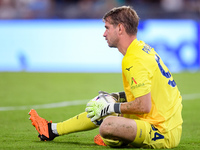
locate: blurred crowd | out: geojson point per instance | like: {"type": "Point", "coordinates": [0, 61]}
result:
{"type": "Point", "coordinates": [95, 9]}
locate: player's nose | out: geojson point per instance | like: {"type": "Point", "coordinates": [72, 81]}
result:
{"type": "Point", "coordinates": [104, 34]}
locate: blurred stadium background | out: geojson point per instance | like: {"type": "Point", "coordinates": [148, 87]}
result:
{"type": "Point", "coordinates": [38, 37]}
{"type": "Point", "coordinates": [67, 35]}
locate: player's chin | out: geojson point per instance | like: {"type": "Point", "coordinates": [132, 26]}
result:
{"type": "Point", "coordinates": [111, 45]}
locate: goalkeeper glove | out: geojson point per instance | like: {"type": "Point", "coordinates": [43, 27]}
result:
{"type": "Point", "coordinates": [101, 107]}
{"type": "Point", "coordinates": [119, 96]}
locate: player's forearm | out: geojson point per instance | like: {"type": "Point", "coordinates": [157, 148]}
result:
{"type": "Point", "coordinates": [138, 106]}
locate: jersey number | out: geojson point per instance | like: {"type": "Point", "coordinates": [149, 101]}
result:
{"type": "Point", "coordinates": [164, 73]}
{"type": "Point", "coordinates": [157, 135]}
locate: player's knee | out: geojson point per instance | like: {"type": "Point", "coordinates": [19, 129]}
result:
{"type": "Point", "coordinates": [107, 127]}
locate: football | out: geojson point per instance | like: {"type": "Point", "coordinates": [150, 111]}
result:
{"type": "Point", "coordinates": [109, 99]}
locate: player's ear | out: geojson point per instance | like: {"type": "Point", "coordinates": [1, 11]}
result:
{"type": "Point", "coordinates": [120, 28]}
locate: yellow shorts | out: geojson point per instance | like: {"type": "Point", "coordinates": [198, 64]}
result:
{"type": "Point", "coordinates": [149, 137]}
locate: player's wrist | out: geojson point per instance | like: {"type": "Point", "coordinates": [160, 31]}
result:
{"type": "Point", "coordinates": [114, 108]}
{"type": "Point", "coordinates": [117, 108]}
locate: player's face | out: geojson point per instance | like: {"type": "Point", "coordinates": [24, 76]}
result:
{"type": "Point", "coordinates": [110, 35]}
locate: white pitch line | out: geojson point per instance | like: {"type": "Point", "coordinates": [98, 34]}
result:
{"type": "Point", "coordinates": [191, 96]}
{"type": "Point", "coordinates": [51, 105]}
{"type": "Point", "coordinates": [76, 102]}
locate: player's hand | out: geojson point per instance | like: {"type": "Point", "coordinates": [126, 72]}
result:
{"type": "Point", "coordinates": [98, 109]}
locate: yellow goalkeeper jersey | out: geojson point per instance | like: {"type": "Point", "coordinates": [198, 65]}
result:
{"type": "Point", "coordinates": [143, 72]}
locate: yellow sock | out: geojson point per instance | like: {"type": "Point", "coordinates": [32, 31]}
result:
{"type": "Point", "coordinates": [75, 124]}
{"type": "Point", "coordinates": [112, 143]}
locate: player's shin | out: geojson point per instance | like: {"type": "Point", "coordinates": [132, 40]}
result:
{"type": "Point", "coordinates": [75, 124]}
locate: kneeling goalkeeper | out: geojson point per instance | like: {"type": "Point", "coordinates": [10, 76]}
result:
{"type": "Point", "coordinates": [150, 105]}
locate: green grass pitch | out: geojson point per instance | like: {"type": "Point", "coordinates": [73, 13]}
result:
{"type": "Point", "coordinates": [27, 89]}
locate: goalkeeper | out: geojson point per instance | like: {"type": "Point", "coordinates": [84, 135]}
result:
{"type": "Point", "coordinates": [150, 105]}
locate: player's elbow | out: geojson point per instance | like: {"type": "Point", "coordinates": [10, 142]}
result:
{"type": "Point", "coordinates": [144, 103]}
{"type": "Point", "coordinates": [146, 109]}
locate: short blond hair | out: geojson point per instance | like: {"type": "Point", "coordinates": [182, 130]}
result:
{"type": "Point", "coordinates": [124, 15]}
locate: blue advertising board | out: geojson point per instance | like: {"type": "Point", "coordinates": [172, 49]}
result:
{"type": "Point", "coordinates": [79, 45]}
{"type": "Point", "coordinates": [176, 41]}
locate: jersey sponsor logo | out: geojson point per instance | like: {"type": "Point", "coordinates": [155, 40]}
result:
{"type": "Point", "coordinates": [129, 68]}
{"type": "Point", "coordinates": [133, 80]}
{"type": "Point", "coordinates": [134, 84]}
{"type": "Point", "coordinates": [137, 85]}
{"type": "Point", "coordinates": [147, 48]}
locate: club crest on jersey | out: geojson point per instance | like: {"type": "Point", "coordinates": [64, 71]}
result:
{"type": "Point", "coordinates": [147, 48]}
